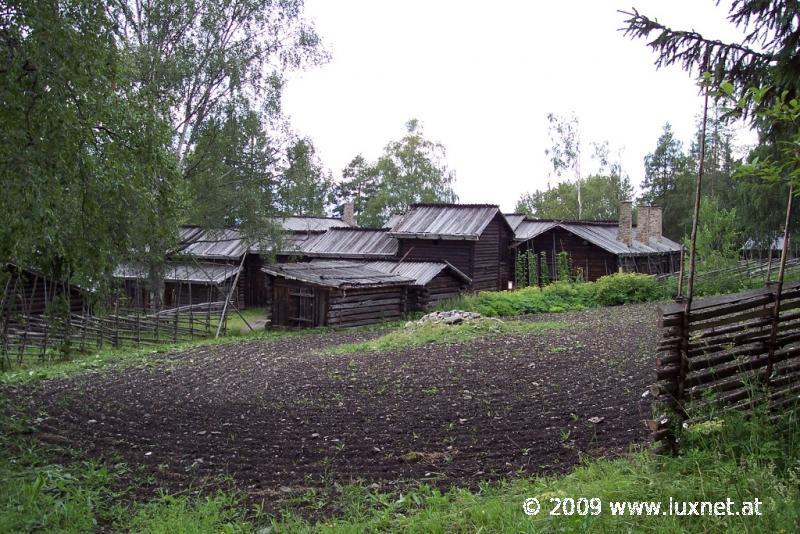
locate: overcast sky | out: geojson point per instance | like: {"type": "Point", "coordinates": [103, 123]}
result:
{"type": "Point", "coordinates": [481, 77]}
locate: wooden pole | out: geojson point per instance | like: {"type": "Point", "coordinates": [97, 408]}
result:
{"type": "Point", "coordinates": [779, 287]}
{"type": "Point", "coordinates": [228, 296]}
{"type": "Point", "coordinates": [684, 353]}
{"type": "Point", "coordinates": [680, 274]}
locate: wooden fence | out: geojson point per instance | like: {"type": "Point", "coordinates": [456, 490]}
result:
{"type": "Point", "coordinates": [744, 269]}
{"type": "Point", "coordinates": [733, 352]}
{"type": "Point", "coordinates": [40, 337]}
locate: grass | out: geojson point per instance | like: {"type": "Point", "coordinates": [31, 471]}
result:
{"type": "Point", "coordinates": [237, 326]}
{"type": "Point", "coordinates": [417, 334]}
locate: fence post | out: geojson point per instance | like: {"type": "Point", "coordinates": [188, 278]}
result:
{"type": "Point", "coordinates": [778, 289]}
{"type": "Point", "coordinates": [116, 323]}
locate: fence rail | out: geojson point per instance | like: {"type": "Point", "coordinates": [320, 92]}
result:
{"type": "Point", "coordinates": [40, 338]}
{"type": "Point", "coordinates": [733, 352]}
{"type": "Point", "coordinates": [743, 269]}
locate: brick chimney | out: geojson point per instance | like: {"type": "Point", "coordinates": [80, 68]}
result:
{"type": "Point", "coordinates": [643, 231]}
{"type": "Point", "coordinates": [625, 222]}
{"type": "Point", "coordinates": [655, 222]}
{"type": "Point", "coordinates": [349, 214]}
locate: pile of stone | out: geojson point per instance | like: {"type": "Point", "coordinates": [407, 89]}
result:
{"type": "Point", "coordinates": [445, 317]}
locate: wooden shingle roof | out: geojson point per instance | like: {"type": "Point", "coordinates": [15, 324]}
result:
{"type": "Point", "coordinates": [445, 221]}
{"type": "Point", "coordinates": [336, 274]}
{"type": "Point", "coordinates": [352, 243]}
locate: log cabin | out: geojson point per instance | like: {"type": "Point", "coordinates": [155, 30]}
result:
{"type": "Point", "coordinates": [475, 238]}
{"type": "Point", "coordinates": [433, 283]}
{"type": "Point", "coordinates": [599, 248]}
{"type": "Point", "coordinates": [335, 293]}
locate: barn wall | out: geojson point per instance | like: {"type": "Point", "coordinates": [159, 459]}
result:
{"type": "Point", "coordinates": [253, 283]}
{"type": "Point", "coordinates": [458, 252]}
{"type": "Point", "coordinates": [593, 260]}
{"type": "Point", "coordinates": [286, 308]}
{"type": "Point", "coordinates": [443, 286]}
{"type": "Point", "coordinates": [493, 258]}
{"type": "Point", "coordinates": [32, 297]}
{"type": "Point", "coordinates": [355, 307]}
{"type": "Point", "coordinates": [183, 294]}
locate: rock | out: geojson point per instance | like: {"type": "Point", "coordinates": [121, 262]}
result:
{"type": "Point", "coordinates": [450, 317]}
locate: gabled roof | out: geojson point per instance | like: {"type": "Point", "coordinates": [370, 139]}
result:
{"type": "Point", "coordinates": [393, 220]}
{"type": "Point", "coordinates": [352, 243]}
{"type": "Point", "coordinates": [445, 221]}
{"type": "Point", "coordinates": [600, 233]}
{"type": "Point", "coordinates": [514, 219]}
{"type": "Point", "coordinates": [225, 243]}
{"type": "Point", "coordinates": [421, 272]}
{"type": "Point", "coordinates": [528, 229]}
{"type": "Point", "coordinates": [195, 272]}
{"type": "Point", "coordinates": [310, 224]}
{"type": "Point", "coordinates": [336, 274]}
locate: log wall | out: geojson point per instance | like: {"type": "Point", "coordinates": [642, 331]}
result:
{"type": "Point", "coordinates": [443, 286]}
{"type": "Point", "coordinates": [297, 304]}
{"type": "Point", "coordinates": [28, 292]}
{"type": "Point", "coordinates": [488, 261]}
{"type": "Point", "coordinates": [355, 307]}
{"type": "Point", "coordinates": [589, 258]}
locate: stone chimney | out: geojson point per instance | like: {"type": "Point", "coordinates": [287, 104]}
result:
{"type": "Point", "coordinates": [349, 214]}
{"type": "Point", "coordinates": [655, 222]}
{"type": "Point", "coordinates": [643, 231]}
{"type": "Point", "coordinates": [625, 222]}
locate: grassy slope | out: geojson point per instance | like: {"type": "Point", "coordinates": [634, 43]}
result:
{"type": "Point", "coordinates": [422, 334]}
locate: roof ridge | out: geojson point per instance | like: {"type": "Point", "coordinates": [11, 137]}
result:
{"type": "Point", "coordinates": [451, 205]}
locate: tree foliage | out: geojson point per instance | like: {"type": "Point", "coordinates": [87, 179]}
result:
{"type": "Point", "coordinates": [411, 170]}
{"type": "Point", "coordinates": [305, 188]}
{"type": "Point", "coordinates": [87, 168]}
{"type": "Point", "coordinates": [768, 56]}
{"type": "Point", "coordinates": [211, 67]}
{"type": "Point", "coordinates": [601, 198]}
{"type": "Point", "coordinates": [757, 79]}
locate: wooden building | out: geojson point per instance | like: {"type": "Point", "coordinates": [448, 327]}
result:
{"type": "Point", "coordinates": [598, 248]}
{"type": "Point", "coordinates": [475, 238]}
{"type": "Point", "coordinates": [30, 292]}
{"type": "Point", "coordinates": [203, 255]}
{"type": "Point", "coordinates": [334, 293]}
{"type": "Point", "coordinates": [433, 281]}
{"type": "Point", "coordinates": [184, 283]}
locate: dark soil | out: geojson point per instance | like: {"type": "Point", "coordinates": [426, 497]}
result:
{"type": "Point", "coordinates": [278, 417]}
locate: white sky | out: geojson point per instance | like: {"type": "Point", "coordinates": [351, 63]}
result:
{"type": "Point", "coordinates": [481, 76]}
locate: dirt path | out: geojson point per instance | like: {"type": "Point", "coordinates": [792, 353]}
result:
{"type": "Point", "coordinates": [279, 417]}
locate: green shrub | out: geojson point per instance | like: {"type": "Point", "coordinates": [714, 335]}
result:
{"type": "Point", "coordinates": [625, 288]}
{"type": "Point", "coordinates": [561, 296]}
